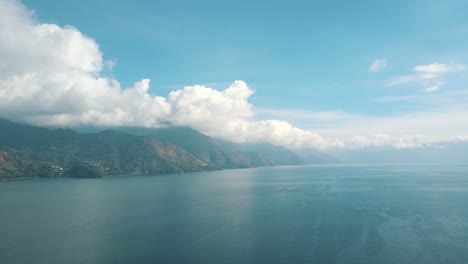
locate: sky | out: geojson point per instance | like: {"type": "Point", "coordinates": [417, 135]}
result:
{"type": "Point", "coordinates": [322, 74]}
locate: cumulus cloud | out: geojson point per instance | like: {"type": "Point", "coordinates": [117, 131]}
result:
{"type": "Point", "coordinates": [378, 65]}
{"type": "Point", "coordinates": [53, 75]}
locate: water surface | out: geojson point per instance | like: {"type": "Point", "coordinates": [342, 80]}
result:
{"type": "Point", "coordinates": [313, 214]}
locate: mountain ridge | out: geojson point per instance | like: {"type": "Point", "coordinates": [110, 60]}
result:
{"type": "Point", "coordinates": [30, 151]}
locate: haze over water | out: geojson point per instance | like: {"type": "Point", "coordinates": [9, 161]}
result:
{"type": "Point", "coordinates": [322, 214]}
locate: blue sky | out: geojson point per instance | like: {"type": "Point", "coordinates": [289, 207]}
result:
{"type": "Point", "coordinates": [309, 62]}
{"type": "Point", "coordinates": [295, 54]}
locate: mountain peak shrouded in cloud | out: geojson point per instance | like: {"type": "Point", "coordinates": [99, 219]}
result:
{"type": "Point", "coordinates": [53, 75]}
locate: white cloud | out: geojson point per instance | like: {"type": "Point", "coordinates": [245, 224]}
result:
{"type": "Point", "coordinates": [431, 77]}
{"type": "Point", "coordinates": [443, 123]}
{"type": "Point", "coordinates": [385, 140]}
{"type": "Point", "coordinates": [443, 120]}
{"type": "Point", "coordinates": [304, 114]}
{"type": "Point", "coordinates": [434, 87]}
{"type": "Point", "coordinates": [397, 98]}
{"type": "Point", "coordinates": [404, 79]}
{"type": "Point", "coordinates": [436, 70]}
{"type": "Point", "coordinates": [378, 65]}
{"type": "Point", "coordinates": [53, 75]}
{"type": "Point", "coordinates": [435, 100]}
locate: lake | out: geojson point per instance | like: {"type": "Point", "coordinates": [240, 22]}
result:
{"type": "Point", "coordinates": [307, 214]}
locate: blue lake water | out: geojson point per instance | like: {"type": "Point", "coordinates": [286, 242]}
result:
{"type": "Point", "coordinates": [312, 214]}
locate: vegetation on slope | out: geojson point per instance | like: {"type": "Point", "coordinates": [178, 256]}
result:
{"type": "Point", "coordinates": [29, 151]}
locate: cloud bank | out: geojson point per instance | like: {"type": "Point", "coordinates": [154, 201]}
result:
{"type": "Point", "coordinates": [52, 75]}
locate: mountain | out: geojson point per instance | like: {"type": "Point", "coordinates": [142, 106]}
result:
{"type": "Point", "coordinates": [196, 143]}
{"type": "Point", "coordinates": [108, 153]}
{"type": "Point", "coordinates": [313, 156]}
{"type": "Point", "coordinates": [220, 153]}
{"type": "Point", "coordinates": [14, 164]}
{"type": "Point", "coordinates": [29, 151]}
{"type": "Point", "coordinates": [201, 146]}
{"type": "Point", "coordinates": [261, 154]}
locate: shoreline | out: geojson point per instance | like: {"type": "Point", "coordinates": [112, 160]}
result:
{"type": "Point", "coordinates": [274, 166]}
